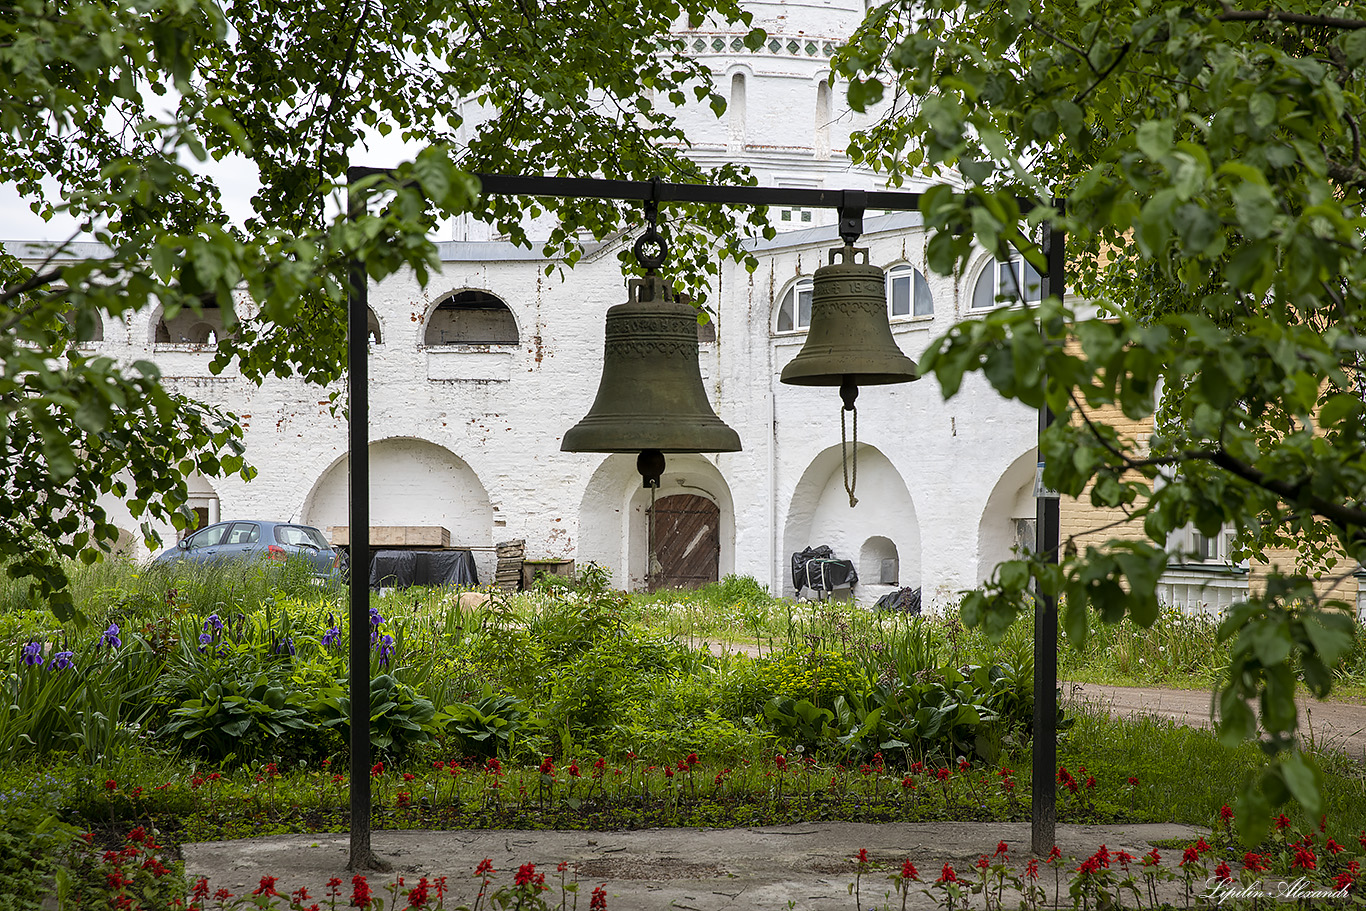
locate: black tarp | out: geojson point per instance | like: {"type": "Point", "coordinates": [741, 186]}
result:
{"type": "Point", "coordinates": [402, 568]}
{"type": "Point", "coordinates": [816, 568]}
{"type": "Point", "coordinates": [904, 600]}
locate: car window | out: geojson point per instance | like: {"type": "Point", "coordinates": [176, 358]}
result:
{"type": "Point", "coordinates": [209, 537]}
{"type": "Point", "coordinates": [300, 535]}
{"type": "Point", "coordinates": [244, 533]}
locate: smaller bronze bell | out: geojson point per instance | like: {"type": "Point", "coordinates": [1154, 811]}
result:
{"type": "Point", "coordinates": [850, 340]}
{"type": "Point", "coordinates": [651, 399]}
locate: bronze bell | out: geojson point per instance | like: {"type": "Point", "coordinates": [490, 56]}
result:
{"type": "Point", "coordinates": [651, 399]}
{"type": "Point", "coordinates": [850, 340]}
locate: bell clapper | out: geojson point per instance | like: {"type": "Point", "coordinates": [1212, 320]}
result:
{"type": "Point", "coordinates": [849, 392]}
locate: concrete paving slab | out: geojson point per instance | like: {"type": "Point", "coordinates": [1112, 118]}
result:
{"type": "Point", "coordinates": [800, 866]}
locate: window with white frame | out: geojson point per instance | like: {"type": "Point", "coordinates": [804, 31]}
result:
{"type": "Point", "coordinates": [1003, 283]}
{"type": "Point", "coordinates": [908, 294]}
{"type": "Point", "coordinates": [1192, 548]}
{"type": "Point", "coordinates": [794, 313]}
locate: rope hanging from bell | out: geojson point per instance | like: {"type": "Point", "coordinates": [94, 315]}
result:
{"type": "Point", "coordinates": [849, 392]}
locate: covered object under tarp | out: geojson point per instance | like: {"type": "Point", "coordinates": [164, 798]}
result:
{"type": "Point", "coordinates": [394, 568]}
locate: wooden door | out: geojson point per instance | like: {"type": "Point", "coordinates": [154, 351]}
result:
{"type": "Point", "coordinates": [687, 539]}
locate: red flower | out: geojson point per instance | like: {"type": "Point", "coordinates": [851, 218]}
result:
{"type": "Point", "coordinates": [267, 887]}
{"type": "Point", "coordinates": [409, 776]}
{"type": "Point", "coordinates": [1032, 869]}
{"type": "Point", "coordinates": [485, 866]}
{"type": "Point", "coordinates": [942, 774]}
{"type": "Point", "coordinates": [1226, 814]}
{"type": "Point", "coordinates": [360, 892]}
{"type": "Point", "coordinates": [403, 798]}
{"type": "Point", "coordinates": [983, 862]}
{"type": "Point", "coordinates": [1189, 856]}
{"type": "Point", "coordinates": [1282, 822]}
{"type": "Point", "coordinates": [964, 766]}
{"type": "Point", "coordinates": [299, 895]}
{"type": "Point", "coordinates": [1223, 873]}
{"type": "Point", "coordinates": [1132, 782]}
{"type": "Point", "coordinates": [1344, 882]}
{"type": "Point", "coordinates": [1000, 849]}
{"type": "Point", "coordinates": [222, 895]}
{"type": "Point", "coordinates": [862, 857]}
{"type": "Point", "coordinates": [780, 761]}
{"type": "Point", "coordinates": [908, 871]}
{"type": "Point", "coordinates": [111, 785]}
{"type": "Point", "coordinates": [547, 766]}
{"type": "Point", "coordinates": [1254, 862]}
{"type": "Point", "coordinates": [137, 835]}
{"type": "Point", "coordinates": [377, 770]}
{"type": "Point", "coordinates": [908, 782]}
{"type": "Point", "coordinates": [564, 865]}
{"type": "Point", "coordinates": [573, 770]}
{"type": "Point", "coordinates": [200, 890]}
{"type": "Point", "coordinates": [668, 771]}
{"type": "Point", "coordinates": [419, 896]}
{"type": "Point", "coordinates": [1333, 847]}
{"type": "Point", "coordinates": [598, 902]}
{"type": "Point", "coordinates": [526, 873]}
{"type": "Point", "coordinates": [1054, 854]}
{"type": "Point", "coordinates": [1152, 858]}
{"type": "Point", "coordinates": [1304, 859]}
{"type": "Point", "coordinates": [1201, 847]}
{"type": "Point", "coordinates": [692, 759]}
{"type": "Point", "coordinates": [947, 875]}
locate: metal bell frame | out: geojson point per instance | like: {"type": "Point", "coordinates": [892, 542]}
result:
{"type": "Point", "coordinates": [1043, 809]}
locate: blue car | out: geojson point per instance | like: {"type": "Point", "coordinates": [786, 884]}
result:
{"type": "Point", "coordinates": [244, 539]}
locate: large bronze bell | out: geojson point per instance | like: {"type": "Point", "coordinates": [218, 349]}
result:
{"type": "Point", "coordinates": [850, 340]}
{"type": "Point", "coordinates": [651, 399]}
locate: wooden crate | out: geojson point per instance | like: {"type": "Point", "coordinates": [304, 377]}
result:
{"type": "Point", "coordinates": [533, 568]}
{"type": "Point", "coordinates": [397, 536]}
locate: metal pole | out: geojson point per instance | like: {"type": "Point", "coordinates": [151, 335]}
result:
{"type": "Point", "coordinates": [358, 530]}
{"type": "Point", "coordinates": [1044, 798]}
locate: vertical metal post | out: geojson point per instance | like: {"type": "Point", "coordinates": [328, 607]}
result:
{"type": "Point", "coordinates": [1044, 798]}
{"type": "Point", "coordinates": [358, 529]}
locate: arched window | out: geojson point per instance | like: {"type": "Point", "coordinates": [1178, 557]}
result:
{"type": "Point", "coordinates": [87, 329]}
{"type": "Point", "coordinates": [822, 143]}
{"type": "Point", "coordinates": [908, 294]}
{"type": "Point", "coordinates": [794, 313]}
{"type": "Point", "coordinates": [471, 318]}
{"type": "Point", "coordinates": [735, 110]}
{"type": "Point", "coordinates": [1004, 283]}
{"type": "Point", "coordinates": [372, 327]}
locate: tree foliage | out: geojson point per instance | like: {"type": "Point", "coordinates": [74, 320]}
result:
{"type": "Point", "coordinates": [1208, 160]}
{"type": "Point", "coordinates": [111, 105]}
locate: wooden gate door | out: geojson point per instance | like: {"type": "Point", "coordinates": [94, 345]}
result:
{"type": "Point", "coordinates": [687, 542]}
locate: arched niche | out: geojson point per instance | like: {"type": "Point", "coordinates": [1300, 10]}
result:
{"type": "Point", "coordinates": [1008, 519]}
{"type": "Point", "coordinates": [614, 517]}
{"type": "Point", "coordinates": [877, 561]}
{"type": "Point", "coordinates": [203, 329]}
{"type": "Point", "coordinates": [372, 327]}
{"type": "Point", "coordinates": [819, 513]}
{"type": "Point", "coordinates": [470, 317]}
{"type": "Point", "coordinates": [412, 482]}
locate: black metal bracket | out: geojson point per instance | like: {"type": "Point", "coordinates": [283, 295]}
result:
{"type": "Point", "coordinates": [852, 205]}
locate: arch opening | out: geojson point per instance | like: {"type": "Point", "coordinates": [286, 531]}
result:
{"type": "Point", "coordinates": [819, 513]}
{"type": "Point", "coordinates": [470, 317]}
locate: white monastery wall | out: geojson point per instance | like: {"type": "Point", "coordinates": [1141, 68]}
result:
{"type": "Point", "coordinates": [468, 436]}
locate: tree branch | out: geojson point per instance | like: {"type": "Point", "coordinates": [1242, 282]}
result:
{"type": "Point", "coordinates": [1236, 15]}
{"type": "Point", "coordinates": [1123, 52]}
{"type": "Point", "coordinates": [1345, 516]}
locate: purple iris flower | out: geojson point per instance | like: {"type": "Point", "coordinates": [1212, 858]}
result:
{"type": "Point", "coordinates": [386, 648]}
{"type": "Point", "coordinates": [111, 637]}
{"type": "Point", "coordinates": [62, 661]}
{"type": "Point", "coordinates": [214, 622]}
{"type": "Point", "coordinates": [331, 637]}
{"type": "Point", "coordinates": [32, 654]}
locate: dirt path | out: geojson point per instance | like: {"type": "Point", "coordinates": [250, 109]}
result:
{"type": "Point", "coordinates": [1333, 725]}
